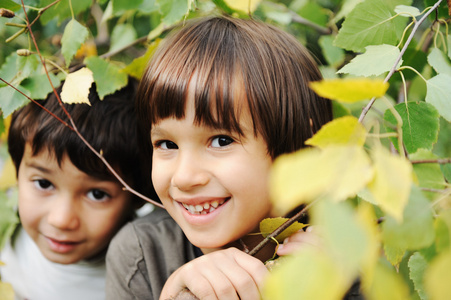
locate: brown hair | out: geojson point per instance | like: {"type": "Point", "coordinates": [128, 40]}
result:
{"type": "Point", "coordinates": [109, 125]}
{"type": "Point", "coordinates": [227, 54]}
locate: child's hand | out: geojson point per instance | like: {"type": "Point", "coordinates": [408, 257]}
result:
{"type": "Point", "coordinates": [223, 274]}
{"type": "Point", "coordinates": [298, 240]}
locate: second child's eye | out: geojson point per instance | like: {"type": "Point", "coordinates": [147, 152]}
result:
{"type": "Point", "coordinates": [43, 184]}
{"type": "Point", "coordinates": [221, 141]}
{"type": "Point", "coordinates": [166, 145]}
{"type": "Point", "coordinates": [97, 195]}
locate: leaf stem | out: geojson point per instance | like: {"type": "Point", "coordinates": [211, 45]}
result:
{"type": "Point", "coordinates": [393, 69]}
{"type": "Point", "coordinates": [441, 161]}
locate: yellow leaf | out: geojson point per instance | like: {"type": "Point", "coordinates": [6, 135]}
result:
{"type": "Point", "coordinates": [392, 181]}
{"type": "Point", "coordinates": [309, 274]}
{"type": "Point", "coordinates": [350, 90]}
{"type": "Point", "coordinates": [246, 6]}
{"type": "Point", "coordinates": [8, 175]}
{"type": "Point", "coordinates": [438, 277]}
{"type": "Point", "coordinates": [86, 50]}
{"type": "Point", "coordinates": [337, 172]}
{"type": "Point", "coordinates": [267, 226]}
{"type": "Point", "coordinates": [6, 291]}
{"type": "Point", "coordinates": [385, 284]}
{"type": "Point", "coordinates": [344, 130]}
{"type": "Point", "coordinates": [7, 123]}
{"type": "Point", "coordinates": [76, 87]}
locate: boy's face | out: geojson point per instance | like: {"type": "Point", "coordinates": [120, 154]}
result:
{"type": "Point", "coordinates": [212, 182]}
{"type": "Point", "coordinates": [70, 215]}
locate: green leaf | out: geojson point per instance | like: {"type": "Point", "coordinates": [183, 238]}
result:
{"type": "Point", "coordinates": [123, 5]}
{"type": "Point", "coordinates": [420, 125]}
{"type": "Point", "coordinates": [8, 70]}
{"type": "Point", "coordinates": [9, 4]}
{"type": "Point", "coordinates": [138, 65]}
{"type": "Point", "coordinates": [122, 35]}
{"type": "Point", "coordinates": [429, 175]}
{"type": "Point", "coordinates": [416, 231]}
{"type": "Point", "coordinates": [268, 225]}
{"type": "Point", "coordinates": [370, 23]}
{"type": "Point", "coordinates": [443, 231]}
{"type": "Point", "coordinates": [375, 61]}
{"type": "Point", "coordinates": [12, 100]}
{"type": "Point", "coordinates": [315, 13]}
{"type": "Point", "coordinates": [63, 10]}
{"type": "Point", "coordinates": [333, 55]}
{"type": "Point", "coordinates": [417, 266]}
{"type": "Point", "coordinates": [438, 277]}
{"type": "Point", "coordinates": [439, 94]}
{"type": "Point", "coordinates": [173, 11]}
{"type": "Point", "coordinates": [74, 35]}
{"type": "Point", "coordinates": [439, 62]}
{"type": "Point", "coordinates": [107, 76]}
{"type": "Point", "coordinates": [39, 85]}
{"type": "Point", "coordinates": [8, 219]}
{"type": "Point", "coordinates": [448, 42]}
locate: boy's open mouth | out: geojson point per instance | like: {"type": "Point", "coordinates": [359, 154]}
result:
{"type": "Point", "coordinates": [205, 208]}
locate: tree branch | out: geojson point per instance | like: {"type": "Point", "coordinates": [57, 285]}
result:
{"type": "Point", "coordinates": [393, 69]}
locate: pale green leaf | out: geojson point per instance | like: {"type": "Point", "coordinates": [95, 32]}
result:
{"type": "Point", "coordinates": [76, 87]}
{"type": "Point", "coordinates": [123, 5]}
{"type": "Point", "coordinates": [12, 100]}
{"type": "Point", "coordinates": [438, 277]}
{"type": "Point", "coordinates": [420, 125]}
{"type": "Point", "coordinates": [122, 35]}
{"type": "Point", "coordinates": [407, 11]}
{"type": "Point", "coordinates": [173, 11]}
{"type": "Point", "coordinates": [349, 90]}
{"type": "Point", "coordinates": [417, 266]}
{"type": "Point", "coordinates": [268, 225]}
{"type": "Point", "coordinates": [306, 276]}
{"type": "Point", "coordinates": [247, 6]}
{"type": "Point", "coordinates": [416, 230]}
{"type": "Point", "coordinates": [9, 219]}
{"type": "Point", "coordinates": [335, 56]}
{"type": "Point", "coordinates": [346, 7]}
{"type": "Point", "coordinates": [9, 4]}
{"type": "Point", "coordinates": [107, 76]}
{"type": "Point", "coordinates": [371, 23]}
{"type": "Point", "coordinates": [394, 253]}
{"type": "Point", "coordinates": [375, 61]}
{"type": "Point", "coordinates": [9, 70]}
{"type": "Point", "coordinates": [429, 175]}
{"type": "Point", "coordinates": [27, 65]}
{"type": "Point", "coordinates": [386, 284]}
{"type": "Point", "coordinates": [448, 42]}
{"type": "Point", "coordinates": [39, 85]}
{"type": "Point", "coordinates": [439, 94]}
{"type": "Point", "coordinates": [443, 231]}
{"type": "Point", "coordinates": [74, 35]}
{"type": "Point", "coordinates": [392, 181]}
{"type": "Point", "coordinates": [138, 65]}
{"type": "Point", "coordinates": [344, 130]}
{"type": "Point", "coordinates": [337, 172]}
{"type": "Point", "coordinates": [439, 62]}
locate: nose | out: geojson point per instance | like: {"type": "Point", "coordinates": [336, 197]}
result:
{"type": "Point", "coordinates": [63, 214]}
{"type": "Point", "coordinates": [190, 172]}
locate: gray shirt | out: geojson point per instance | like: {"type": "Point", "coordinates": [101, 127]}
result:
{"type": "Point", "coordinates": [142, 256]}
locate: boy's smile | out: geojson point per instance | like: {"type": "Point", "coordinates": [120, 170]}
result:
{"type": "Point", "coordinates": [213, 182]}
{"type": "Point", "coordinates": [70, 215]}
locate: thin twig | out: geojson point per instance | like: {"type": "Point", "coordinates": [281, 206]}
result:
{"type": "Point", "coordinates": [441, 161]}
{"type": "Point", "coordinates": [280, 229]}
{"type": "Point", "coordinates": [393, 69]}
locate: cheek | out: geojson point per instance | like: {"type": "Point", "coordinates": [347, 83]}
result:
{"type": "Point", "coordinates": [160, 178]}
{"type": "Point", "coordinates": [30, 210]}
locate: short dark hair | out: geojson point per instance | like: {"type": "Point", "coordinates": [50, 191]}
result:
{"type": "Point", "coordinates": [109, 125]}
{"type": "Point", "coordinates": [226, 54]}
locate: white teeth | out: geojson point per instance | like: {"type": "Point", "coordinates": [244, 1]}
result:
{"type": "Point", "coordinates": [202, 209]}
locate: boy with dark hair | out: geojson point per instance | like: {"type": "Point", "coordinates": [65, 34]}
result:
{"type": "Point", "coordinates": [69, 203]}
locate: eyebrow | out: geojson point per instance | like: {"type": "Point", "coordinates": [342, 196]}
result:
{"type": "Point", "coordinates": [39, 167]}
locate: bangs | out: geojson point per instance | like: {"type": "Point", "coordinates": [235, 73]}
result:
{"type": "Point", "coordinates": [208, 69]}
